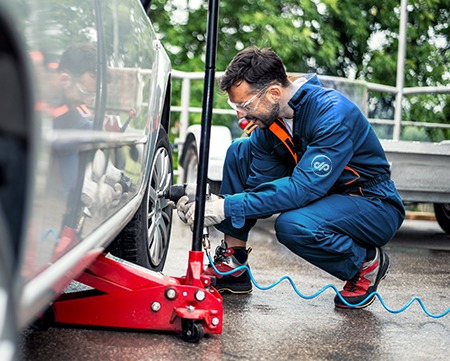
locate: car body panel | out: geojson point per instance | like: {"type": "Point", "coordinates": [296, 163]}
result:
{"type": "Point", "coordinates": [85, 184]}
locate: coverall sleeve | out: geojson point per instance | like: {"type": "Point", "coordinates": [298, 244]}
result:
{"type": "Point", "coordinates": [266, 165]}
{"type": "Point", "coordinates": [321, 165]}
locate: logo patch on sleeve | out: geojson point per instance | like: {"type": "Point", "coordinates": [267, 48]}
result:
{"type": "Point", "coordinates": [321, 165]}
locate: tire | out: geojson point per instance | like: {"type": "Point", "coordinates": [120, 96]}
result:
{"type": "Point", "coordinates": [442, 212]}
{"type": "Point", "coordinates": [190, 167]}
{"type": "Point", "coordinates": [145, 240]}
{"type": "Point", "coordinates": [190, 163]}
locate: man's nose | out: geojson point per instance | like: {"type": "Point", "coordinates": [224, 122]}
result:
{"type": "Point", "coordinates": [240, 114]}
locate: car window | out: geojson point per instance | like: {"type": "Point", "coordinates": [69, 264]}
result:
{"type": "Point", "coordinates": [64, 60]}
{"type": "Point", "coordinates": [130, 57]}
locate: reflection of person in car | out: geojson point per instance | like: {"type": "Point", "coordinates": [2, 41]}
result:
{"type": "Point", "coordinates": [77, 76]}
{"type": "Point", "coordinates": [77, 82]}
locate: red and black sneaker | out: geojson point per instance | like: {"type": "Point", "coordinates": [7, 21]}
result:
{"type": "Point", "coordinates": [365, 282]}
{"type": "Point", "coordinates": [225, 260]}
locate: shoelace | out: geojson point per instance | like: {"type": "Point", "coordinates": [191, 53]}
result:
{"type": "Point", "coordinates": [350, 285]}
{"type": "Point", "coordinates": [222, 252]}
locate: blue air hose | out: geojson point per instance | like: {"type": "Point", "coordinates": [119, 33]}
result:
{"type": "Point", "coordinates": [324, 289]}
{"type": "Point", "coordinates": [306, 297]}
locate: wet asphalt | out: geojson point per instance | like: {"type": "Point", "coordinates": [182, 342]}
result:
{"type": "Point", "coordinates": [277, 324]}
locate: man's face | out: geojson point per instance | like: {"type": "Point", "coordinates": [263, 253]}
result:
{"type": "Point", "coordinates": [80, 89]}
{"type": "Point", "coordinates": [253, 106]}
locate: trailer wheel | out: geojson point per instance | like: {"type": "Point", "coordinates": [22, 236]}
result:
{"type": "Point", "coordinates": [442, 212]}
{"type": "Point", "coordinates": [190, 167]}
{"type": "Point", "coordinates": [190, 163]}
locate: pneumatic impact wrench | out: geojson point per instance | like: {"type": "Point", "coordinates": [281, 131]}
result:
{"type": "Point", "coordinates": [175, 192]}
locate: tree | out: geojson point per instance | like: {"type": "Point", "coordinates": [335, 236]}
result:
{"type": "Point", "coordinates": [356, 39]}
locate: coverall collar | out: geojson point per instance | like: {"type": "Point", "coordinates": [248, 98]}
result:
{"type": "Point", "coordinates": [311, 81]}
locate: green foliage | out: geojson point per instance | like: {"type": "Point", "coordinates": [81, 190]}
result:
{"type": "Point", "coordinates": [348, 38]}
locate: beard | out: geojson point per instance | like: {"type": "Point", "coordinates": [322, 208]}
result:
{"type": "Point", "coordinates": [265, 121]}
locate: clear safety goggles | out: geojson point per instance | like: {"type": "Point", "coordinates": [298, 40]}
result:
{"type": "Point", "coordinates": [244, 107]}
{"type": "Point", "coordinates": [87, 93]}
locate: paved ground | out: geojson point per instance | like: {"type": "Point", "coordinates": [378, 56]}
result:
{"type": "Point", "coordinates": [279, 325]}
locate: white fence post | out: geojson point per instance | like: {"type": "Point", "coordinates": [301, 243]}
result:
{"type": "Point", "coordinates": [400, 82]}
{"type": "Point", "coordinates": [184, 117]}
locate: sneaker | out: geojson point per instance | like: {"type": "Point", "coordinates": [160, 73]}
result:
{"type": "Point", "coordinates": [365, 282]}
{"type": "Point", "coordinates": [225, 260]}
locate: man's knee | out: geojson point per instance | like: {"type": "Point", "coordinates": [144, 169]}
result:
{"type": "Point", "coordinates": [289, 231]}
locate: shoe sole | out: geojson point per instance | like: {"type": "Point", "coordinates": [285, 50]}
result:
{"type": "Point", "coordinates": [382, 273]}
{"type": "Point", "coordinates": [235, 292]}
{"type": "Point", "coordinates": [235, 288]}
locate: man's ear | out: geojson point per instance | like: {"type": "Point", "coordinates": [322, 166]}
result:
{"type": "Point", "coordinates": [65, 79]}
{"type": "Point", "coordinates": [273, 94]}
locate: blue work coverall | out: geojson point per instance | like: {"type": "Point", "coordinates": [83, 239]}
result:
{"type": "Point", "coordinates": [334, 203]}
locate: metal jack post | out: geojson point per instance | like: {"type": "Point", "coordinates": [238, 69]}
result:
{"type": "Point", "coordinates": [128, 296]}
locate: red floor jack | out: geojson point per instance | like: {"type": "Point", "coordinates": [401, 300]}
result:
{"type": "Point", "coordinates": [128, 296]}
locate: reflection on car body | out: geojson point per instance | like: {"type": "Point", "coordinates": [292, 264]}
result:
{"type": "Point", "coordinates": [93, 140]}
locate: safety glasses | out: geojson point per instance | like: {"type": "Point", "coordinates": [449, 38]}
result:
{"type": "Point", "coordinates": [84, 91]}
{"type": "Point", "coordinates": [244, 107]}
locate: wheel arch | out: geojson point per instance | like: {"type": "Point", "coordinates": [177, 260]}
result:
{"type": "Point", "coordinates": [165, 116]}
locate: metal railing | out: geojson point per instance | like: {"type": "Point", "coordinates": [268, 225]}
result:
{"type": "Point", "coordinates": [419, 170]}
{"type": "Point", "coordinates": [187, 77]}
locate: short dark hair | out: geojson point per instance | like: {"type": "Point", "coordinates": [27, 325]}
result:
{"type": "Point", "coordinates": [258, 67]}
{"type": "Point", "coordinates": [79, 59]}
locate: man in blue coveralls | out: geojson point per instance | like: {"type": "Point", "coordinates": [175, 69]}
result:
{"type": "Point", "coordinates": [313, 158]}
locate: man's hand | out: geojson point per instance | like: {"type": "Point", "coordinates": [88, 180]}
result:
{"type": "Point", "coordinates": [183, 205]}
{"type": "Point", "coordinates": [214, 210]}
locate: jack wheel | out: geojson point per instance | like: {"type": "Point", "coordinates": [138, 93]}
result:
{"type": "Point", "coordinates": [192, 331]}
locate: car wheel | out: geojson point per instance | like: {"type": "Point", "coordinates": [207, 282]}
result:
{"type": "Point", "coordinates": [190, 163]}
{"type": "Point", "coordinates": [442, 212]}
{"type": "Point", "coordinates": [190, 167]}
{"type": "Point", "coordinates": [145, 240]}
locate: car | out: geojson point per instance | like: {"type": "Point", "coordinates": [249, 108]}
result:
{"type": "Point", "coordinates": [85, 154]}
